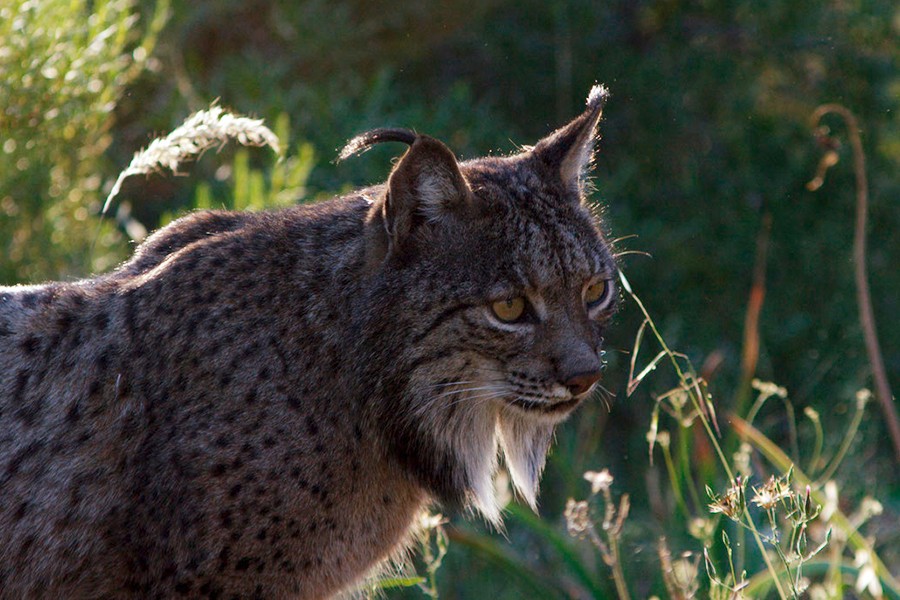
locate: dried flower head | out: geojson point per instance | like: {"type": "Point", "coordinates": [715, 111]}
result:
{"type": "Point", "coordinates": [862, 398]}
{"type": "Point", "coordinates": [742, 459]}
{"type": "Point", "coordinates": [702, 529]}
{"type": "Point", "coordinates": [599, 481]}
{"type": "Point", "coordinates": [767, 388]}
{"type": "Point", "coordinates": [774, 491]}
{"type": "Point", "coordinates": [428, 521]}
{"type": "Point", "coordinates": [578, 518]}
{"type": "Point", "coordinates": [732, 504]}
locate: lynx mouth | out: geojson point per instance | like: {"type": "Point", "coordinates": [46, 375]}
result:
{"type": "Point", "coordinates": [545, 408]}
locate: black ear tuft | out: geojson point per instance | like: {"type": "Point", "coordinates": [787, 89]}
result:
{"type": "Point", "coordinates": [569, 149]}
{"type": "Point", "coordinates": [364, 141]}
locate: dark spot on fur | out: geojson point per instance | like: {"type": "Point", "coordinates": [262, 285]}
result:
{"type": "Point", "coordinates": [288, 566]}
{"type": "Point", "coordinates": [29, 411]}
{"type": "Point", "coordinates": [243, 564]}
{"type": "Point", "coordinates": [21, 456]}
{"type": "Point", "coordinates": [129, 315]}
{"type": "Point", "coordinates": [311, 426]}
{"type": "Point", "coordinates": [64, 320]}
{"type": "Point", "coordinates": [224, 380]}
{"type": "Point", "coordinates": [100, 321]}
{"type": "Point", "coordinates": [102, 360]}
{"type": "Point", "coordinates": [30, 344]}
{"type": "Point", "coordinates": [21, 511]}
{"type": "Point", "coordinates": [19, 389]}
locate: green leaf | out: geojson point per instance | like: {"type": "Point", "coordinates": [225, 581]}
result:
{"type": "Point", "coordinates": [397, 582]}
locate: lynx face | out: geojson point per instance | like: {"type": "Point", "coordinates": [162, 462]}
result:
{"type": "Point", "coordinates": [498, 283]}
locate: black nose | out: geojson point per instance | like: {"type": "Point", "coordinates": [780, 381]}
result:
{"type": "Point", "coordinates": [582, 382]}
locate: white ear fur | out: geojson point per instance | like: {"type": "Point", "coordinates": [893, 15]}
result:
{"type": "Point", "coordinates": [577, 163]}
{"type": "Point", "coordinates": [525, 443]}
{"type": "Point", "coordinates": [437, 191]}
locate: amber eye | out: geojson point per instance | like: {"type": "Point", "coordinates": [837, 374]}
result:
{"type": "Point", "coordinates": [509, 310]}
{"type": "Point", "coordinates": [595, 292]}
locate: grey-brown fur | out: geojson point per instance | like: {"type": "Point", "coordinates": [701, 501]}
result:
{"type": "Point", "coordinates": [259, 404]}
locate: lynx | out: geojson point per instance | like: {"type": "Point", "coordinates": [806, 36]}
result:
{"type": "Point", "coordinates": [259, 405]}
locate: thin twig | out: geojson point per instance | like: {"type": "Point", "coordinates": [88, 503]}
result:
{"type": "Point", "coordinates": [866, 314]}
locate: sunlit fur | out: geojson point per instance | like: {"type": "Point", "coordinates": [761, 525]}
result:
{"type": "Point", "coordinates": [260, 404]}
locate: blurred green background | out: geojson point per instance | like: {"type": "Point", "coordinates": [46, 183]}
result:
{"type": "Point", "coordinates": [706, 133]}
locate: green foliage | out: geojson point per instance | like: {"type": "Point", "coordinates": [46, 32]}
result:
{"type": "Point", "coordinates": [63, 67]}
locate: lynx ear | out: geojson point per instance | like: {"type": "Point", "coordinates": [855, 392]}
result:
{"type": "Point", "coordinates": [425, 186]}
{"type": "Point", "coordinates": [570, 148]}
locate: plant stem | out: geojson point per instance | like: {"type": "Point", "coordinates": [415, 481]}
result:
{"type": "Point", "coordinates": [845, 443]}
{"type": "Point", "coordinates": [750, 351]}
{"type": "Point", "coordinates": [673, 480]}
{"type": "Point", "coordinates": [618, 575]}
{"type": "Point", "coordinates": [866, 314]}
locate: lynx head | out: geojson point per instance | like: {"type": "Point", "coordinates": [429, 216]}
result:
{"type": "Point", "coordinates": [490, 287]}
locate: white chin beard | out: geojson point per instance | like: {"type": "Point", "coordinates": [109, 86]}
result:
{"type": "Point", "coordinates": [525, 442]}
{"type": "Point", "coordinates": [477, 433]}
{"type": "Point", "coordinates": [471, 436]}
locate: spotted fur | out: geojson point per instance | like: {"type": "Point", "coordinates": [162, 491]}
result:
{"type": "Point", "coordinates": [259, 404]}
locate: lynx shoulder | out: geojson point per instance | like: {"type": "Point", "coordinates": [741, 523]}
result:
{"type": "Point", "coordinates": [260, 404]}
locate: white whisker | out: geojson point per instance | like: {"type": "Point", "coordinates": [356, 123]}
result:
{"type": "Point", "coordinates": [482, 397]}
{"type": "Point", "coordinates": [466, 390]}
{"type": "Point", "coordinates": [450, 383]}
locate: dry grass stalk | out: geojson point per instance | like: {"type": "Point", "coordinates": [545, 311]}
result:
{"type": "Point", "coordinates": [864, 297]}
{"type": "Point", "coordinates": [201, 131]}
